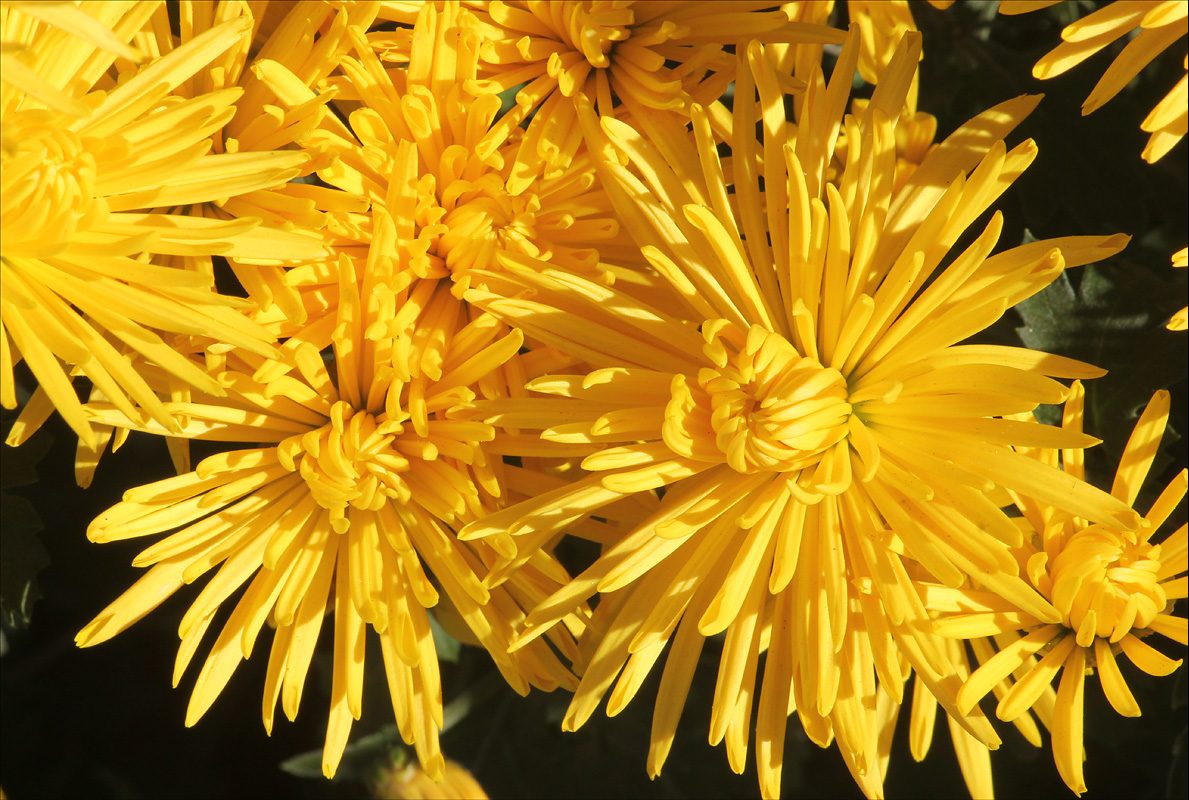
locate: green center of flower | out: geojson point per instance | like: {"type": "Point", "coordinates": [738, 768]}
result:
{"type": "Point", "coordinates": [48, 185]}
{"type": "Point", "coordinates": [349, 461]}
{"type": "Point", "coordinates": [1105, 584]}
{"type": "Point", "coordinates": [765, 407]}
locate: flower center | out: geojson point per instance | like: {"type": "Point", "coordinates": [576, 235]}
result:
{"type": "Point", "coordinates": [1105, 584]}
{"type": "Point", "coordinates": [349, 461]}
{"type": "Point", "coordinates": [465, 214]}
{"type": "Point", "coordinates": [764, 406]}
{"type": "Point", "coordinates": [596, 26]}
{"type": "Point", "coordinates": [48, 185]}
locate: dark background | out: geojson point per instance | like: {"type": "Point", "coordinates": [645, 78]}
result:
{"type": "Point", "coordinates": [104, 722]}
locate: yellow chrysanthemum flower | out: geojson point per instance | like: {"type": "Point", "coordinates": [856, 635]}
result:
{"type": "Point", "coordinates": [417, 143]}
{"type": "Point", "coordinates": [267, 119]}
{"type": "Point", "coordinates": [1161, 24]}
{"type": "Point", "coordinates": [804, 400]}
{"type": "Point", "coordinates": [450, 174]}
{"type": "Point", "coordinates": [650, 55]}
{"type": "Point", "coordinates": [356, 477]}
{"type": "Point", "coordinates": [86, 276]}
{"type": "Point", "coordinates": [1113, 588]}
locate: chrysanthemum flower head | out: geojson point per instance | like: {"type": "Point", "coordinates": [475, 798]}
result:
{"type": "Point", "coordinates": [422, 144]}
{"type": "Point", "coordinates": [801, 393]}
{"type": "Point", "coordinates": [86, 274]}
{"type": "Point", "coordinates": [767, 407]}
{"type": "Point", "coordinates": [1112, 587]}
{"type": "Point", "coordinates": [1161, 23]}
{"type": "Point", "coordinates": [418, 147]}
{"type": "Point", "coordinates": [355, 477]}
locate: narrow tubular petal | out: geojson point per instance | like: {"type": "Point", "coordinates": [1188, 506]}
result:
{"type": "Point", "coordinates": [1138, 53]}
{"type": "Point", "coordinates": [1141, 449]}
{"type": "Point", "coordinates": [1113, 685]}
{"type": "Point", "coordinates": [1175, 628]}
{"type": "Point", "coordinates": [1035, 479]}
{"type": "Point", "coordinates": [151, 83]}
{"type": "Point", "coordinates": [1068, 720]}
{"type": "Point", "coordinates": [736, 670]}
{"type": "Point", "coordinates": [347, 683]}
{"type": "Point", "coordinates": [161, 581]}
{"type": "Point", "coordinates": [1028, 689]}
{"type": "Point", "coordinates": [1003, 664]}
{"type": "Point", "coordinates": [1169, 499]}
{"type": "Point", "coordinates": [674, 689]}
{"type": "Point", "coordinates": [1147, 658]}
{"type": "Point", "coordinates": [772, 717]}
{"type": "Point", "coordinates": [924, 715]}
{"type": "Point", "coordinates": [307, 625]}
{"type": "Point", "coordinates": [974, 758]}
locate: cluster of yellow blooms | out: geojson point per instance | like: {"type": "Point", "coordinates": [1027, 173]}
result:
{"type": "Point", "coordinates": [637, 273]}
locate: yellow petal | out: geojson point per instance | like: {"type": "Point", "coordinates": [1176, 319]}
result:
{"type": "Point", "coordinates": [1068, 721]}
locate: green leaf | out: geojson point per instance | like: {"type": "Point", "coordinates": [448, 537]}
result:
{"type": "Point", "coordinates": [1111, 315]}
{"type": "Point", "coordinates": [359, 758]}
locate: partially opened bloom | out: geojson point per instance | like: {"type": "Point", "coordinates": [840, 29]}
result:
{"type": "Point", "coordinates": [87, 275]}
{"type": "Point", "coordinates": [1113, 588]}
{"type": "Point", "coordinates": [802, 395]}
{"type": "Point", "coordinates": [345, 501]}
{"type": "Point", "coordinates": [1161, 23]}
